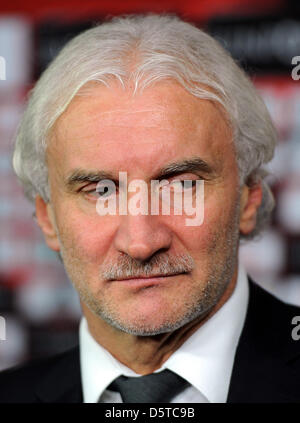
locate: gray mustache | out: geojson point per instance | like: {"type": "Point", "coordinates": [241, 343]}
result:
{"type": "Point", "coordinates": [162, 264]}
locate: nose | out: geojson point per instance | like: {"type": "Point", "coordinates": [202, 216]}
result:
{"type": "Point", "coordinates": [142, 236]}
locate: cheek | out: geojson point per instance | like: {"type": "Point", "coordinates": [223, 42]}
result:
{"type": "Point", "coordinates": [87, 238]}
{"type": "Point", "coordinates": [218, 217]}
{"type": "Point", "coordinates": [198, 240]}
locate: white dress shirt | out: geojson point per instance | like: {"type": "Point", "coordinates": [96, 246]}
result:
{"type": "Point", "coordinates": [205, 359]}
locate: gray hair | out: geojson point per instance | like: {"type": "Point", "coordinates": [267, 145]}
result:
{"type": "Point", "coordinates": [142, 50]}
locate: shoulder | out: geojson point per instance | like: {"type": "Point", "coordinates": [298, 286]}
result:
{"type": "Point", "coordinates": [267, 360]}
{"type": "Point", "coordinates": [267, 311]}
{"type": "Point", "coordinates": [22, 383]}
{"type": "Point", "coordinates": [269, 322]}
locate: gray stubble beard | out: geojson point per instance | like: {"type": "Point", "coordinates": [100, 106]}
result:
{"type": "Point", "coordinates": [222, 267]}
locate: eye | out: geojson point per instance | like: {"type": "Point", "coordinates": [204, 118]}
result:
{"type": "Point", "coordinates": [105, 188]}
{"type": "Point", "coordinates": [184, 184]}
{"type": "Point", "coordinates": [189, 183]}
{"type": "Point", "coordinates": [102, 190]}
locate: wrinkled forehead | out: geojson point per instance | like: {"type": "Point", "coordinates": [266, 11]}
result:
{"type": "Point", "coordinates": [163, 105]}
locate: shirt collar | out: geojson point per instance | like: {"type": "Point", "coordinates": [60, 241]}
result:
{"type": "Point", "coordinates": [98, 367]}
{"type": "Point", "coordinates": [205, 359]}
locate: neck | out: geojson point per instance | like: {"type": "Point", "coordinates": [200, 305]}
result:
{"type": "Point", "coordinates": [145, 354]}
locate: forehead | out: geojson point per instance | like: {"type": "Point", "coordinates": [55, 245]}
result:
{"type": "Point", "coordinates": [112, 126]}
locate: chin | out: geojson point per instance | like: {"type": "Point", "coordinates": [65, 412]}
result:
{"type": "Point", "coordinates": [147, 326]}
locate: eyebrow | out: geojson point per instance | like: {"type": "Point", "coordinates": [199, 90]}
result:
{"type": "Point", "coordinates": [194, 164]}
{"type": "Point", "coordinates": [79, 176]}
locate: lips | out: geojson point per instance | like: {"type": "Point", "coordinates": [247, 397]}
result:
{"type": "Point", "coordinates": [149, 281]}
{"type": "Point", "coordinates": [154, 276]}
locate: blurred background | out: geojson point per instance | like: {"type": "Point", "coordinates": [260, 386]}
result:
{"type": "Point", "coordinates": [39, 305]}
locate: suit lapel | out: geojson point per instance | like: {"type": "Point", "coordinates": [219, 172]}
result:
{"type": "Point", "coordinates": [62, 382]}
{"type": "Point", "coordinates": [267, 365]}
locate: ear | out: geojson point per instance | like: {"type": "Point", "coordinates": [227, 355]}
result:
{"type": "Point", "coordinates": [251, 199]}
{"type": "Point", "coordinates": [46, 221]}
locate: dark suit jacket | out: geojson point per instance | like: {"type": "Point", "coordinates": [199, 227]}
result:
{"type": "Point", "coordinates": [266, 366]}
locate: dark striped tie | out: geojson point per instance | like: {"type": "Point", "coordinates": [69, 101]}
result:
{"type": "Point", "coordinates": [156, 387]}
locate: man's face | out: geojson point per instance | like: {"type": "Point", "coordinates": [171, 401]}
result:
{"type": "Point", "coordinates": [110, 131]}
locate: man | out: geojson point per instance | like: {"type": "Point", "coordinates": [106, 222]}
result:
{"type": "Point", "coordinates": [166, 304]}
